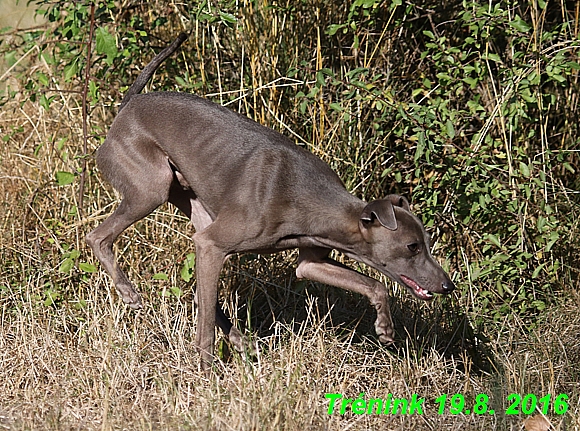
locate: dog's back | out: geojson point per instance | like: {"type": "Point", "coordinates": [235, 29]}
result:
{"type": "Point", "coordinates": [248, 165]}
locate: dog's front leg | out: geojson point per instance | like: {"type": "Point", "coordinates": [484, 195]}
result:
{"type": "Point", "coordinates": [314, 264]}
{"type": "Point", "coordinates": [208, 264]}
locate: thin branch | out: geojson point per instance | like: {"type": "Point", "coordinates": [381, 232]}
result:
{"type": "Point", "coordinates": [85, 132]}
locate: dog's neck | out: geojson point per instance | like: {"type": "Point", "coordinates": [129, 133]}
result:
{"type": "Point", "coordinates": [339, 229]}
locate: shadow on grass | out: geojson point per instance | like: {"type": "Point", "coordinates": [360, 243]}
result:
{"type": "Point", "coordinates": [277, 296]}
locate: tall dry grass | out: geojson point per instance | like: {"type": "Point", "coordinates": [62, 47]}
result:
{"type": "Point", "coordinates": [72, 356]}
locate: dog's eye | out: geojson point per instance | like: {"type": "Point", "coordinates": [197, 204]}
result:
{"type": "Point", "coordinates": [413, 248]}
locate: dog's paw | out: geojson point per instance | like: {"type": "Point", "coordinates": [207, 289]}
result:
{"type": "Point", "coordinates": [385, 329]}
{"type": "Point", "coordinates": [386, 339]}
{"type": "Point", "coordinates": [130, 297]}
{"type": "Point", "coordinates": [241, 343]}
{"type": "Point", "coordinates": [135, 304]}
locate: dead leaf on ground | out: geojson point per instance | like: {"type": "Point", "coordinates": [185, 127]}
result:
{"type": "Point", "coordinates": [537, 423]}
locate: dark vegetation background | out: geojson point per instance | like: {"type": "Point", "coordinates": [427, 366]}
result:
{"type": "Point", "coordinates": [468, 108]}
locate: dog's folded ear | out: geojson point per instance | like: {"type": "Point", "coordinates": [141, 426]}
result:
{"type": "Point", "coordinates": [399, 201]}
{"type": "Point", "coordinates": [383, 210]}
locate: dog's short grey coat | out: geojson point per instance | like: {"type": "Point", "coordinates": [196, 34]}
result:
{"type": "Point", "coordinates": [247, 188]}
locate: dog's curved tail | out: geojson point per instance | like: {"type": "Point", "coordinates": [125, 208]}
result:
{"type": "Point", "coordinates": [151, 67]}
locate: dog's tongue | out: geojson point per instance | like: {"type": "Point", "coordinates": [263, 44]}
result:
{"type": "Point", "coordinates": [417, 290]}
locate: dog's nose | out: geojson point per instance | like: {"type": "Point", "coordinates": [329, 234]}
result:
{"type": "Point", "coordinates": [448, 286]}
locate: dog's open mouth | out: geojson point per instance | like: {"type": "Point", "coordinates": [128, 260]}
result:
{"type": "Point", "coordinates": [417, 290]}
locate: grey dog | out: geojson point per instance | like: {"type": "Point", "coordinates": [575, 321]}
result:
{"type": "Point", "coordinates": [247, 188]}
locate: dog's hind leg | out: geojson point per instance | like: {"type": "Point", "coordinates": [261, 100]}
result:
{"type": "Point", "coordinates": [144, 181]}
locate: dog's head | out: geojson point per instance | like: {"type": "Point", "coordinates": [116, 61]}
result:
{"type": "Point", "coordinates": [398, 246]}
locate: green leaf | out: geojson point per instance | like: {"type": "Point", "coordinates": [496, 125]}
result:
{"type": "Point", "coordinates": [176, 291]}
{"type": "Point", "coordinates": [472, 82]}
{"type": "Point", "coordinates": [493, 57]}
{"type": "Point", "coordinates": [228, 18]}
{"type": "Point", "coordinates": [538, 269]}
{"type": "Point", "coordinates": [573, 65]}
{"type": "Point", "coordinates": [333, 28]}
{"type": "Point", "coordinates": [45, 102]}
{"type": "Point", "coordinates": [51, 297]}
{"type": "Point", "coordinates": [493, 239]}
{"type": "Point", "coordinates": [327, 72]}
{"type": "Point", "coordinates": [500, 290]}
{"type": "Point", "coordinates": [525, 170]}
{"type": "Point", "coordinates": [356, 72]}
{"type": "Point", "coordinates": [429, 34]}
{"type": "Point", "coordinates": [444, 76]}
{"type": "Point", "coordinates": [568, 167]}
{"type": "Point", "coordinates": [420, 150]}
{"type": "Point", "coordinates": [320, 80]}
{"type": "Point", "coordinates": [64, 178]}
{"type": "Point", "coordinates": [335, 107]}
{"type": "Point", "coordinates": [540, 305]}
{"type": "Point", "coordinates": [187, 270]}
{"type": "Point", "coordinates": [71, 70]}
{"type": "Point", "coordinates": [106, 44]}
{"type": "Point", "coordinates": [87, 267]}
{"type": "Point", "coordinates": [80, 304]}
{"type": "Point", "coordinates": [365, 3]}
{"type": "Point", "coordinates": [11, 58]}
{"type": "Point", "coordinates": [557, 77]}
{"type": "Point", "coordinates": [474, 106]}
{"type": "Point", "coordinates": [93, 92]}
{"type": "Point", "coordinates": [534, 78]}
{"type": "Point", "coordinates": [527, 95]}
{"type": "Point", "coordinates": [554, 236]}
{"type": "Point", "coordinates": [42, 78]}
{"type": "Point", "coordinates": [450, 129]}
{"type": "Point", "coordinates": [67, 265]}
{"type": "Point", "coordinates": [520, 25]}
{"type": "Point", "coordinates": [186, 273]}
{"type": "Point", "coordinates": [160, 276]}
